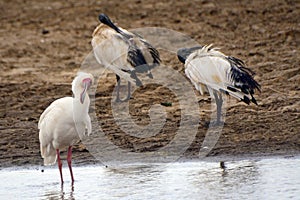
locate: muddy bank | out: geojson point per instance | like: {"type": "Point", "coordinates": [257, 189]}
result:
{"type": "Point", "coordinates": [44, 42]}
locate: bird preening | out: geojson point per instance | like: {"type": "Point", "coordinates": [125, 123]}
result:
{"type": "Point", "coordinates": [209, 69]}
{"type": "Point", "coordinates": [124, 52]}
{"type": "Point", "coordinates": [127, 54]}
{"type": "Point", "coordinates": [60, 126]}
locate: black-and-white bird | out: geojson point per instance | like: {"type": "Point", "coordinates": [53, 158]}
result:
{"type": "Point", "coordinates": [209, 69]}
{"type": "Point", "coordinates": [124, 52]}
{"type": "Point", "coordinates": [60, 125]}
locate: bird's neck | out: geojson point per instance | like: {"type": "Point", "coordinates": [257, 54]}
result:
{"type": "Point", "coordinates": [82, 108]}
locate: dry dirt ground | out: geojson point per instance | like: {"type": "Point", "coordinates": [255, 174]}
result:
{"type": "Point", "coordinates": [43, 44]}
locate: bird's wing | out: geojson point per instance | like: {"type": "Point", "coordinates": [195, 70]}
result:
{"type": "Point", "coordinates": [111, 52]}
{"type": "Point", "coordinates": [121, 50]}
{"type": "Point", "coordinates": [142, 56]}
{"type": "Point", "coordinates": [135, 55]}
{"type": "Point", "coordinates": [45, 113]}
{"type": "Point", "coordinates": [207, 67]}
{"type": "Point", "coordinates": [191, 73]}
{"type": "Point", "coordinates": [153, 52]}
{"type": "Point", "coordinates": [45, 138]}
{"type": "Point", "coordinates": [145, 49]}
{"type": "Point", "coordinates": [140, 52]}
{"type": "Point", "coordinates": [241, 76]}
{"type": "Point", "coordinates": [222, 73]}
{"type": "Point", "coordinates": [55, 109]}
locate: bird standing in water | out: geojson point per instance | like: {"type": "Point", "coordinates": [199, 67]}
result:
{"type": "Point", "coordinates": [209, 69]}
{"type": "Point", "coordinates": [124, 52]}
{"type": "Point", "coordinates": [59, 125]}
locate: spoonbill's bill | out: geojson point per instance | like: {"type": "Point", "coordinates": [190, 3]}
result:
{"type": "Point", "coordinates": [60, 124]}
{"type": "Point", "coordinates": [209, 69]}
{"type": "Point", "coordinates": [124, 52]}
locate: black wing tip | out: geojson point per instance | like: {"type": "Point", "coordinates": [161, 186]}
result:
{"type": "Point", "coordinates": [243, 75]}
{"type": "Point", "coordinates": [136, 58]}
{"type": "Point", "coordinates": [237, 61]}
{"type": "Point", "coordinates": [246, 100]}
{"type": "Point", "coordinates": [154, 53]}
{"type": "Point", "coordinates": [258, 86]}
{"type": "Point", "coordinates": [254, 101]}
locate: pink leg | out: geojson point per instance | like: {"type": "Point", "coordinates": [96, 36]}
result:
{"type": "Point", "coordinates": [59, 165]}
{"type": "Point", "coordinates": [69, 159]}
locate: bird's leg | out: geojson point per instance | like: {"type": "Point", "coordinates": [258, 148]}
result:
{"type": "Point", "coordinates": [219, 102]}
{"type": "Point", "coordinates": [150, 75]}
{"type": "Point", "coordinates": [134, 76]}
{"type": "Point", "coordinates": [59, 165]}
{"type": "Point", "coordinates": [69, 160]}
{"type": "Point", "coordinates": [219, 110]}
{"type": "Point", "coordinates": [128, 91]}
{"type": "Point", "coordinates": [118, 89]}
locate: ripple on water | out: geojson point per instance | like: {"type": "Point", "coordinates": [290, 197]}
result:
{"type": "Point", "coordinates": [276, 178]}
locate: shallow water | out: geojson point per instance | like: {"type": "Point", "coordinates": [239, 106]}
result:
{"type": "Point", "coordinates": [274, 178]}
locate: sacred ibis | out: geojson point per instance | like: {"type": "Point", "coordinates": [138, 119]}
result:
{"type": "Point", "coordinates": [124, 52]}
{"type": "Point", "coordinates": [209, 69]}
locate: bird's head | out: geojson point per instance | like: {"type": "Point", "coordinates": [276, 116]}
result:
{"type": "Point", "coordinates": [103, 18]}
{"type": "Point", "coordinates": [81, 84]}
{"type": "Point", "coordinates": [184, 53]}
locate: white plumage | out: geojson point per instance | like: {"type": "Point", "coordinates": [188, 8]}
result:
{"type": "Point", "coordinates": [124, 52]}
{"type": "Point", "coordinates": [60, 127]}
{"type": "Point", "coordinates": [212, 71]}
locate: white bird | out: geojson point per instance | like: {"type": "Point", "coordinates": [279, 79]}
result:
{"type": "Point", "coordinates": [124, 52]}
{"type": "Point", "coordinates": [209, 69]}
{"type": "Point", "coordinates": [60, 126]}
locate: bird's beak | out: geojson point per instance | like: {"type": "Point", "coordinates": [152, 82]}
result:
{"type": "Point", "coordinates": [86, 85]}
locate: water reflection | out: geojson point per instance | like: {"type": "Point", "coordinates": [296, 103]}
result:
{"type": "Point", "coordinates": [241, 178]}
{"type": "Point", "coordinates": [245, 179]}
{"type": "Point", "coordinates": [61, 193]}
{"type": "Point", "coordinates": [207, 180]}
{"type": "Point", "coordinates": [185, 180]}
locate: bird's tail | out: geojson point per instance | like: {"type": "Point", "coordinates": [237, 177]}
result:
{"type": "Point", "coordinates": [48, 154]}
{"type": "Point", "coordinates": [238, 94]}
{"type": "Point", "coordinates": [242, 80]}
{"type": "Point", "coordinates": [50, 160]}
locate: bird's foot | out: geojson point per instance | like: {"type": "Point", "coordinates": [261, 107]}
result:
{"type": "Point", "coordinates": [215, 123]}
{"type": "Point", "coordinates": [222, 165]}
{"type": "Point", "coordinates": [138, 83]}
{"type": "Point", "coordinates": [118, 100]}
